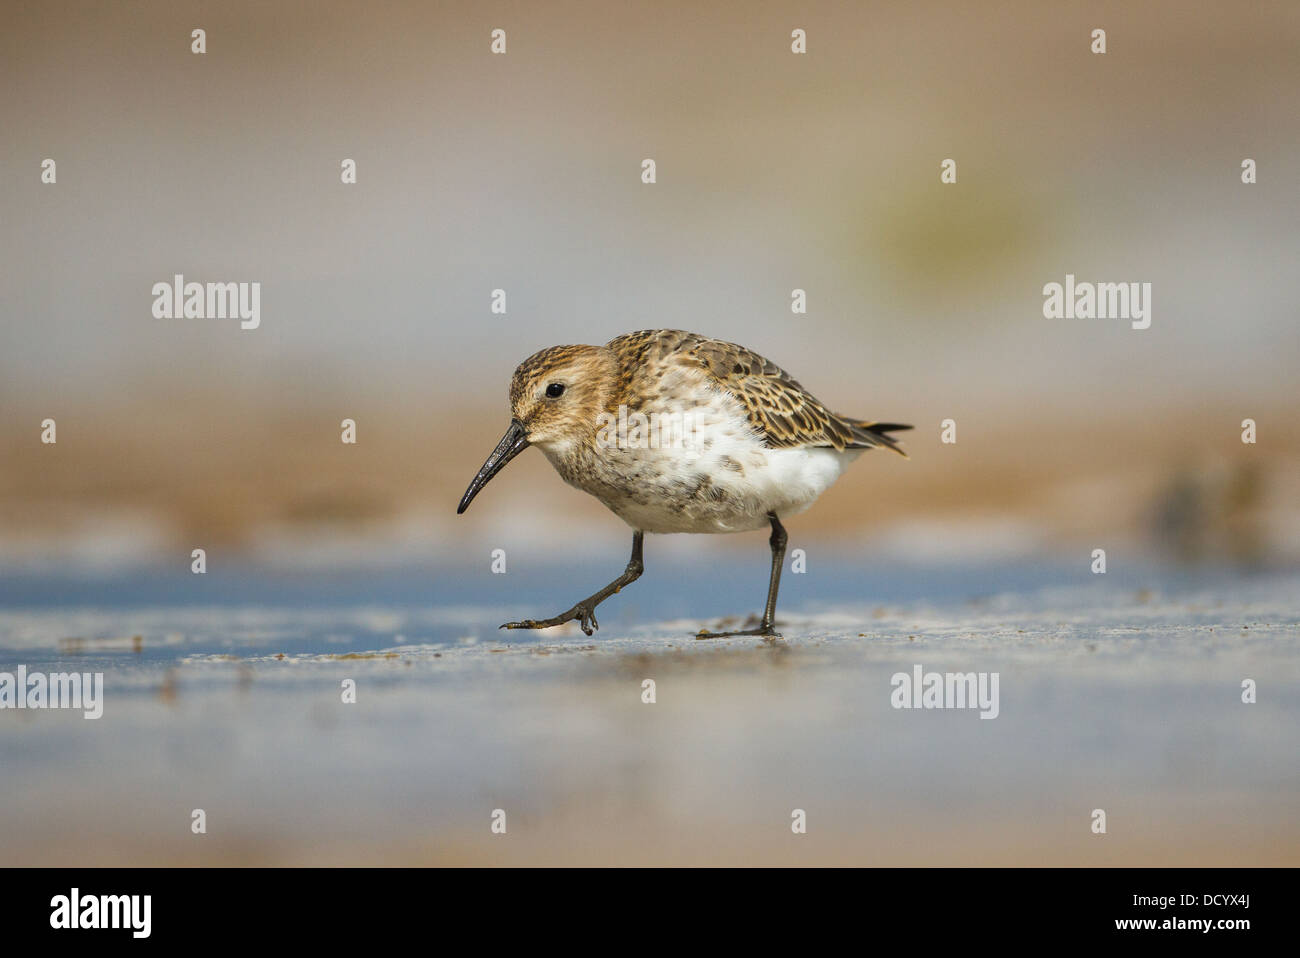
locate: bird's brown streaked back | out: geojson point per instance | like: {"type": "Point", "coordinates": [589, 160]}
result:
{"type": "Point", "coordinates": [784, 413]}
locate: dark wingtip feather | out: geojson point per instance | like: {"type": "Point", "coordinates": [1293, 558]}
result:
{"type": "Point", "coordinates": [875, 434]}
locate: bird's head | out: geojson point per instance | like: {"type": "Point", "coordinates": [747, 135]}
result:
{"type": "Point", "coordinates": [556, 398]}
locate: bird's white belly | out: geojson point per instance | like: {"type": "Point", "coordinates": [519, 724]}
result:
{"type": "Point", "coordinates": [781, 481]}
{"type": "Point", "coordinates": [725, 480]}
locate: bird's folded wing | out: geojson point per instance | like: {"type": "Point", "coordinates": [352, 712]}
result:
{"type": "Point", "coordinates": [781, 410]}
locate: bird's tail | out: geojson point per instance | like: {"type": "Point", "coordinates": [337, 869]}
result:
{"type": "Point", "coordinates": [876, 434]}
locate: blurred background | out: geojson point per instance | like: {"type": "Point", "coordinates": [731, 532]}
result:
{"type": "Point", "coordinates": [522, 172]}
{"type": "Point", "coordinates": [329, 562]}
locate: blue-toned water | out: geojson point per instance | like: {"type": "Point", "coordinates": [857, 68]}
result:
{"type": "Point", "coordinates": [225, 692]}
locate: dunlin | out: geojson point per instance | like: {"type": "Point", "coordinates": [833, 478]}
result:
{"type": "Point", "coordinates": [676, 432]}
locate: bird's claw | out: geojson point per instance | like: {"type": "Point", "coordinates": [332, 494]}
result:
{"type": "Point", "coordinates": [767, 632]}
{"type": "Point", "coordinates": [584, 616]}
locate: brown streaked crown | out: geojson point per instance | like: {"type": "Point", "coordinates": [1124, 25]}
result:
{"type": "Point", "coordinates": [535, 367]}
{"type": "Point", "coordinates": [586, 372]}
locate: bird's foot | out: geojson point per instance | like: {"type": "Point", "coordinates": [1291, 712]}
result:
{"type": "Point", "coordinates": [582, 613]}
{"type": "Point", "coordinates": [766, 630]}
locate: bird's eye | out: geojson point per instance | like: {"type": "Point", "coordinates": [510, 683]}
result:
{"type": "Point", "coordinates": [555, 390]}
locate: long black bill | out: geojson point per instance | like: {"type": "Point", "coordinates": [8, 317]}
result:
{"type": "Point", "coordinates": [512, 444]}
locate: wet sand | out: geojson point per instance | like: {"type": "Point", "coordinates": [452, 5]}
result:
{"type": "Point", "coordinates": [1109, 698]}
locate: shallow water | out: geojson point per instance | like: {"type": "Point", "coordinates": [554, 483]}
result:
{"type": "Point", "coordinates": [1120, 692]}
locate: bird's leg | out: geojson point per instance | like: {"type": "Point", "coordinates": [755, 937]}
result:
{"type": "Point", "coordinates": [584, 613]}
{"type": "Point", "coordinates": [767, 629]}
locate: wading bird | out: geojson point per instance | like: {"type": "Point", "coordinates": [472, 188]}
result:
{"type": "Point", "coordinates": [747, 445]}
